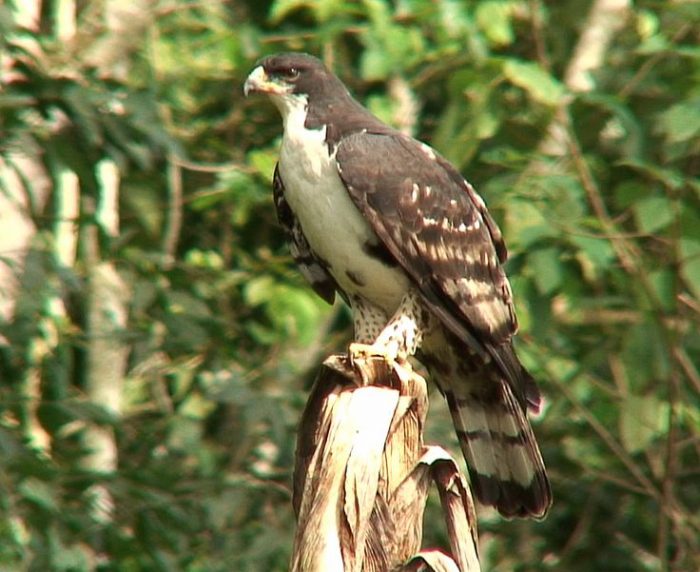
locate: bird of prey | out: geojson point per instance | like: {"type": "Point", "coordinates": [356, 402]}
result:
{"type": "Point", "coordinates": [390, 225]}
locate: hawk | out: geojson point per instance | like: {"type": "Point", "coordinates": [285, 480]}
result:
{"type": "Point", "coordinates": [390, 225]}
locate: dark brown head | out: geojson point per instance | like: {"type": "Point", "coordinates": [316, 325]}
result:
{"type": "Point", "coordinates": [293, 73]}
{"type": "Point", "coordinates": [302, 87]}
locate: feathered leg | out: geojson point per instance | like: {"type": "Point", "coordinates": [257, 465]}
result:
{"type": "Point", "coordinates": [395, 339]}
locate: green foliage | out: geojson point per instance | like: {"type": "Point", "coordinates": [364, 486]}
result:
{"type": "Point", "coordinates": [223, 335]}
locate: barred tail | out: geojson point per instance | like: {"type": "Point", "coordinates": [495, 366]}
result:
{"type": "Point", "coordinates": [504, 461]}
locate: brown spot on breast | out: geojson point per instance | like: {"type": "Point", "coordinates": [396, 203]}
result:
{"type": "Point", "coordinates": [379, 251]}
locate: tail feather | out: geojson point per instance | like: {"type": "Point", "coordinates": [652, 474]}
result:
{"type": "Point", "coordinates": [504, 461]}
{"type": "Point", "coordinates": [489, 400]}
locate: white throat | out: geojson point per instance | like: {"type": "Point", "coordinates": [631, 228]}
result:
{"type": "Point", "coordinates": [304, 153]}
{"type": "Point", "coordinates": [291, 106]}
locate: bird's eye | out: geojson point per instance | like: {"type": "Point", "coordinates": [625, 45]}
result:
{"type": "Point", "coordinates": [292, 73]}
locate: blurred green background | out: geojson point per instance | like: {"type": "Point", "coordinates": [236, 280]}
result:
{"type": "Point", "coordinates": [157, 344]}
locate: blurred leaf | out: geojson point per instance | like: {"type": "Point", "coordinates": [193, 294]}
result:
{"type": "Point", "coordinates": [681, 122]}
{"type": "Point", "coordinates": [672, 178]}
{"type": "Point", "coordinates": [541, 86]}
{"type": "Point", "coordinates": [300, 311]}
{"type": "Point", "coordinates": [664, 284]}
{"type": "Point", "coordinates": [494, 17]}
{"type": "Point", "coordinates": [389, 48]}
{"type": "Point", "coordinates": [569, 203]}
{"type": "Point", "coordinates": [259, 290]}
{"type": "Point", "coordinates": [644, 355]}
{"type": "Point", "coordinates": [210, 259]}
{"type": "Point", "coordinates": [647, 23]}
{"type": "Point", "coordinates": [183, 303]}
{"type": "Point", "coordinates": [653, 213]}
{"type": "Point", "coordinates": [642, 419]}
{"type": "Point", "coordinates": [627, 193]}
{"type": "Point", "coordinates": [623, 131]}
{"type": "Point", "coordinates": [576, 448]}
{"type": "Point", "coordinates": [375, 65]}
{"type": "Point", "coordinates": [146, 205]}
{"type": "Point", "coordinates": [526, 224]}
{"type": "Point", "coordinates": [295, 311]}
{"type": "Point", "coordinates": [264, 161]}
{"type": "Point", "coordinates": [40, 493]}
{"type": "Point", "coordinates": [73, 558]}
{"type": "Point", "coordinates": [595, 255]}
{"type": "Point", "coordinates": [322, 9]}
{"type": "Point", "coordinates": [382, 106]}
{"type": "Point", "coordinates": [547, 268]}
{"type": "Point", "coordinates": [196, 407]}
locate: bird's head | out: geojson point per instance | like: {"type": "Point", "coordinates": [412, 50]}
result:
{"type": "Point", "coordinates": [291, 79]}
{"type": "Point", "coordinates": [285, 74]}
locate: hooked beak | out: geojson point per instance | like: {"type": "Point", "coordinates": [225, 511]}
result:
{"type": "Point", "coordinates": [259, 82]}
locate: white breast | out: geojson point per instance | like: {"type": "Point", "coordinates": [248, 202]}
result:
{"type": "Point", "coordinates": [332, 224]}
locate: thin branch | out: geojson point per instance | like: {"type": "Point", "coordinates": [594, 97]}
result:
{"type": "Point", "coordinates": [690, 303]}
{"type": "Point", "coordinates": [688, 367]}
{"type": "Point", "coordinates": [209, 167]}
{"type": "Point", "coordinates": [671, 468]}
{"type": "Point", "coordinates": [624, 484]}
{"type": "Point", "coordinates": [649, 64]}
{"type": "Point", "coordinates": [67, 199]}
{"type": "Point", "coordinates": [538, 34]}
{"type": "Point", "coordinates": [248, 480]}
{"type": "Point", "coordinates": [173, 213]}
{"type": "Point", "coordinates": [581, 529]}
{"type": "Point", "coordinates": [406, 113]}
{"type": "Point", "coordinates": [608, 439]}
{"type": "Point", "coordinates": [605, 18]}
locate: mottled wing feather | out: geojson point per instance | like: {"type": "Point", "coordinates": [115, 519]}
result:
{"type": "Point", "coordinates": [438, 228]}
{"type": "Point", "coordinates": [495, 232]}
{"type": "Point", "coordinates": [310, 265]}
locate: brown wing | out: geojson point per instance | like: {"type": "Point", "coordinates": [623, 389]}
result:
{"type": "Point", "coordinates": [439, 230]}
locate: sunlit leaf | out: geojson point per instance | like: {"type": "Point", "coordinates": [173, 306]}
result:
{"type": "Point", "coordinates": [495, 18]}
{"type": "Point", "coordinates": [259, 290]}
{"type": "Point", "coordinates": [322, 9]}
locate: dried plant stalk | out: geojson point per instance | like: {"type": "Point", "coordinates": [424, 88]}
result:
{"type": "Point", "coordinates": [362, 475]}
